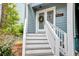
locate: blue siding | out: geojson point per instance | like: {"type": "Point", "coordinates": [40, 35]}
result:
{"type": "Point", "coordinates": [31, 20]}
{"type": "Point", "coordinates": [61, 22]}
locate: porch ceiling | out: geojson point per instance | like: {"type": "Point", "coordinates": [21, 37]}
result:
{"type": "Point", "coordinates": [40, 6]}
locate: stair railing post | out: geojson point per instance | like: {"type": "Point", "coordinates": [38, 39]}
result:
{"type": "Point", "coordinates": [25, 30]}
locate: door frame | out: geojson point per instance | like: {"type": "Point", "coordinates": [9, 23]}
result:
{"type": "Point", "coordinates": [37, 23]}
{"type": "Point", "coordinates": [54, 13]}
{"type": "Point", "coordinates": [45, 16]}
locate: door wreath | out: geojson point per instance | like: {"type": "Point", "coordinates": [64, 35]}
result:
{"type": "Point", "coordinates": [41, 18]}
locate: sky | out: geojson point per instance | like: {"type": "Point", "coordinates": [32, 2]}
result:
{"type": "Point", "coordinates": [21, 9]}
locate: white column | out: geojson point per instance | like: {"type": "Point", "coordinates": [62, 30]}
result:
{"type": "Point", "coordinates": [25, 30]}
{"type": "Point", "coordinates": [70, 19]}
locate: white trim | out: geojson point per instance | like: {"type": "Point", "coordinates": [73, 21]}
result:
{"type": "Point", "coordinates": [37, 23]}
{"type": "Point", "coordinates": [54, 15]}
{"type": "Point", "coordinates": [24, 31]}
{"type": "Point", "coordinates": [74, 28]}
{"type": "Point", "coordinates": [45, 16]}
{"type": "Point", "coordinates": [74, 20]}
{"type": "Point", "coordinates": [36, 37]}
{"type": "Point", "coordinates": [53, 39]}
{"type": "Point", "coordinates": [70, 29]}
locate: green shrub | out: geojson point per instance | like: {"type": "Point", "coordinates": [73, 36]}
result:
{"type": "Point", "coordinates": [10, 17]}
{"type": "Point", "coordinates": [5, 51]}
{"type": "Point", "coordinates": [18, 29]}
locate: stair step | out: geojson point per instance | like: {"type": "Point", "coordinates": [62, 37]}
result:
{"type": "Point", "coordinates": [36, 37]}
{"type": "Point", "coordinates": [37, 46]}
{"type": "Point", "coordinates": [44, 52]}
{"type": "Point", "coordinates": [36, 41]}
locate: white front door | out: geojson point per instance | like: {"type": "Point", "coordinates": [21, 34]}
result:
{"type": "Point", "coordinates": [43, 15]}
{"type": "Point", "coordinates": [40, 21]}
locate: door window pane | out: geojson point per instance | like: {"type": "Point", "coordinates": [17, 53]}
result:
{"type": "Point", "coordinates": [50, 16]}
{"type": "Point", "coordinates": [41, 24]}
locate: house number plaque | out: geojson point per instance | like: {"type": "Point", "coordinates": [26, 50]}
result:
{"type": "Point", "coordinates": [59, 14]}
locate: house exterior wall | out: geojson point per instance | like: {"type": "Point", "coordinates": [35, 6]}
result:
{"type": "Point", "coordinates": [31, 20]}
{"type": "Point", "coordinates": [61, 22]}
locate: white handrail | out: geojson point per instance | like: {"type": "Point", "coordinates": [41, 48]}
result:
{"type": "Point", "coordinates": [52, 38]}
{"type": "Point", "coordinates": [57, 38]}
{"type": "Point", "coordinates": [63, 38]}
{"type": "Point", "coordinates": [25, 31]}
{"type": "Point", "coordinates": [57, 28]}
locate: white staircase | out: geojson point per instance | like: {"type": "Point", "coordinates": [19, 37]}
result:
{"type": "Point", "coordinates": [37, 45]}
